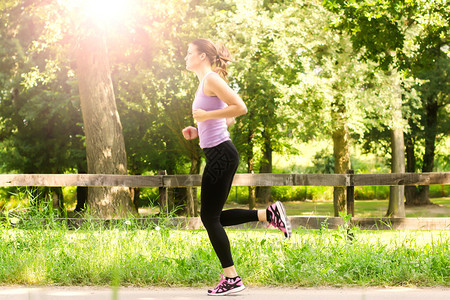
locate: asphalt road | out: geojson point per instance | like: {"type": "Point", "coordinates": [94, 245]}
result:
{"type": "Point", "coordinates": [251, 293]}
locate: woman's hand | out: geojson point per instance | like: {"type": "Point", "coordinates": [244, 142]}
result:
{"type": "Point", "coordinates": [231, 121]}
{"type": "Point", "coordinates": [190, 133]}
{"type": "Point", "coordinates": [200, 115]}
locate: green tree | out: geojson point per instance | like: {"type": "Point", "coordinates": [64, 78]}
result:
{"type": "Point", "coordinates": [376, 31]}
{"type": "Point", "coordinates": [299, 80]}
{"type": "Point", "coordinates": [60, 27]}
{"type": "Point", "coordinates": [428, 117]}
{"type": "Point", "coordinates": [335, 78]}
{"type": "Point", "coordinates": [401, 37]}
{"type": "Point", "coordinates": [40, 120]}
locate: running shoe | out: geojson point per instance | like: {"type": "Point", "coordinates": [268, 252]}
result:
{"type": "Point", "coordinates": [280, 219]}
{"type": "Point", "coordinates": [227, 286]}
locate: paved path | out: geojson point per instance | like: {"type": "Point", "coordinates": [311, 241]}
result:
{"type": "Point", "coordinates": [252, 293]}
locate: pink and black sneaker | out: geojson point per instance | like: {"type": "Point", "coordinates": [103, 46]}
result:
{"type": "Point", "coordinates": [277, 217]}
{"type": "Point", "coordinates": [227, 286]}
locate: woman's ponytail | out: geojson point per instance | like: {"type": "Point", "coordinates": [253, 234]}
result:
{"type": "Point", "coordinates": [222, 59]}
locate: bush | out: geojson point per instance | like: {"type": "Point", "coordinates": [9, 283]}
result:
{"type": "Point", "coordinates": [371, 192]}
{"type": "Point", "coordinates": [437, 191]}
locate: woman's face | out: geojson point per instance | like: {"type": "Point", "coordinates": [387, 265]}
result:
{"type": "Point", "coordinates": [193, 58]}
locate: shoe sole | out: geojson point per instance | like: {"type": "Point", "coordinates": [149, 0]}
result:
{"type": "Point", "coordinates": [285, 219]}
{"type": "Point", "coordinates": [236, 290]}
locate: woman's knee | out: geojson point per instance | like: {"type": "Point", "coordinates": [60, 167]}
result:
{"type": "Point", "coordinates": [208, 219]}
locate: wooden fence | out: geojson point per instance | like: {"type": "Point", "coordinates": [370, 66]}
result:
{"type": "Point", "coordinates": [162, 181]}
{"type": "Point", "coordinates": [171, 181]}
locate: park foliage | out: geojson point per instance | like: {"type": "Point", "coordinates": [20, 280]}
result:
{"type": "Point", "coordinates": [302, 68]}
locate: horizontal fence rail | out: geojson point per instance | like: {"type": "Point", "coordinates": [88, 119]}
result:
{"type": "Point", "coordinates": [170, 181]}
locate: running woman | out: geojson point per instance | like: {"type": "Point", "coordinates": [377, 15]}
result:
{"type": "Point", "coordinates": [214, 109]}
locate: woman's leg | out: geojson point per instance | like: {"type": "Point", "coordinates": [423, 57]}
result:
{"type": "Point", "coordinates": [222, 162]}
{"type": "Point", "coordinates": [232, 217]}
{"type": "Point", "coordinates": [275, 214]}
{"type": "Point", "coordinates": [221, 165]}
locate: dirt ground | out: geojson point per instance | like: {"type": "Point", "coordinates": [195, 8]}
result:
{"type": "Point", "coordinates": [434, 210]}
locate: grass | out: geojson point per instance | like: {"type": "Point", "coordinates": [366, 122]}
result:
{"type": "Point", "coordinates": [124, 255]}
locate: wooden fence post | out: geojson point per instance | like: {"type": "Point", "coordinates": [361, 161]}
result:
{"type": "Point", "coordinates": [163, 199]}
{"type": "Point", "coordinates": [351, 194]}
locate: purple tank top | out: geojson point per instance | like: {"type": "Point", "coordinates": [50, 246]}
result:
{"type": "Point", "coordinates": [211, 132]}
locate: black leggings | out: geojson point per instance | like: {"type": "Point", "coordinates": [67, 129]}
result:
{"type": "Point", "coordinates": [221, 165]}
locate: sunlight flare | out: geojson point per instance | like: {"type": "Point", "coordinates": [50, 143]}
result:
{"type": "Point", "coordinates": [106, 10]}
{"type": "Point", "coordinates": [102, 11]}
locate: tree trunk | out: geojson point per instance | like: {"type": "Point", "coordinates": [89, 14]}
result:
{"type": "Point", "coordinates": [264, 193]}
{"type": "Point", "coordinates": [431, 110]}
{"type": "Point", "coordinates": [191, 201]}
{"type": "Point", "coordinates": [341, 153]}
{"type": "Point", "coordinates": [57, 198]}
{"type": "Point", "coordinates": [105, 147]}
{"type": "Point", "coordinates": [82, 191]}
{"type": "Point", "coordinates": [135, 193]}
{"type": "Point", "coordinates": [82, 196]}
{"type": "Point", "coordinates": [251, 170]}
{"type": "Point", "coordinates": [177, 198]}
{"type": "Point", "coordinates": [163, 197]}
{"type": "Point", "coordinates": [419, 195]}
{"type": "Point", "coordinates": [397, 193]}
{"type": "Point", "coordinates": [410, 190]}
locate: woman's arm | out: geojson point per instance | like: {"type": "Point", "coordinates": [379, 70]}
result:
{"type": "Point", "coordinates": [215, 86]}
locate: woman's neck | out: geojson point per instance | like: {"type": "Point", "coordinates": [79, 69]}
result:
{"type": "Point", "coordinates": [201, 72]}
